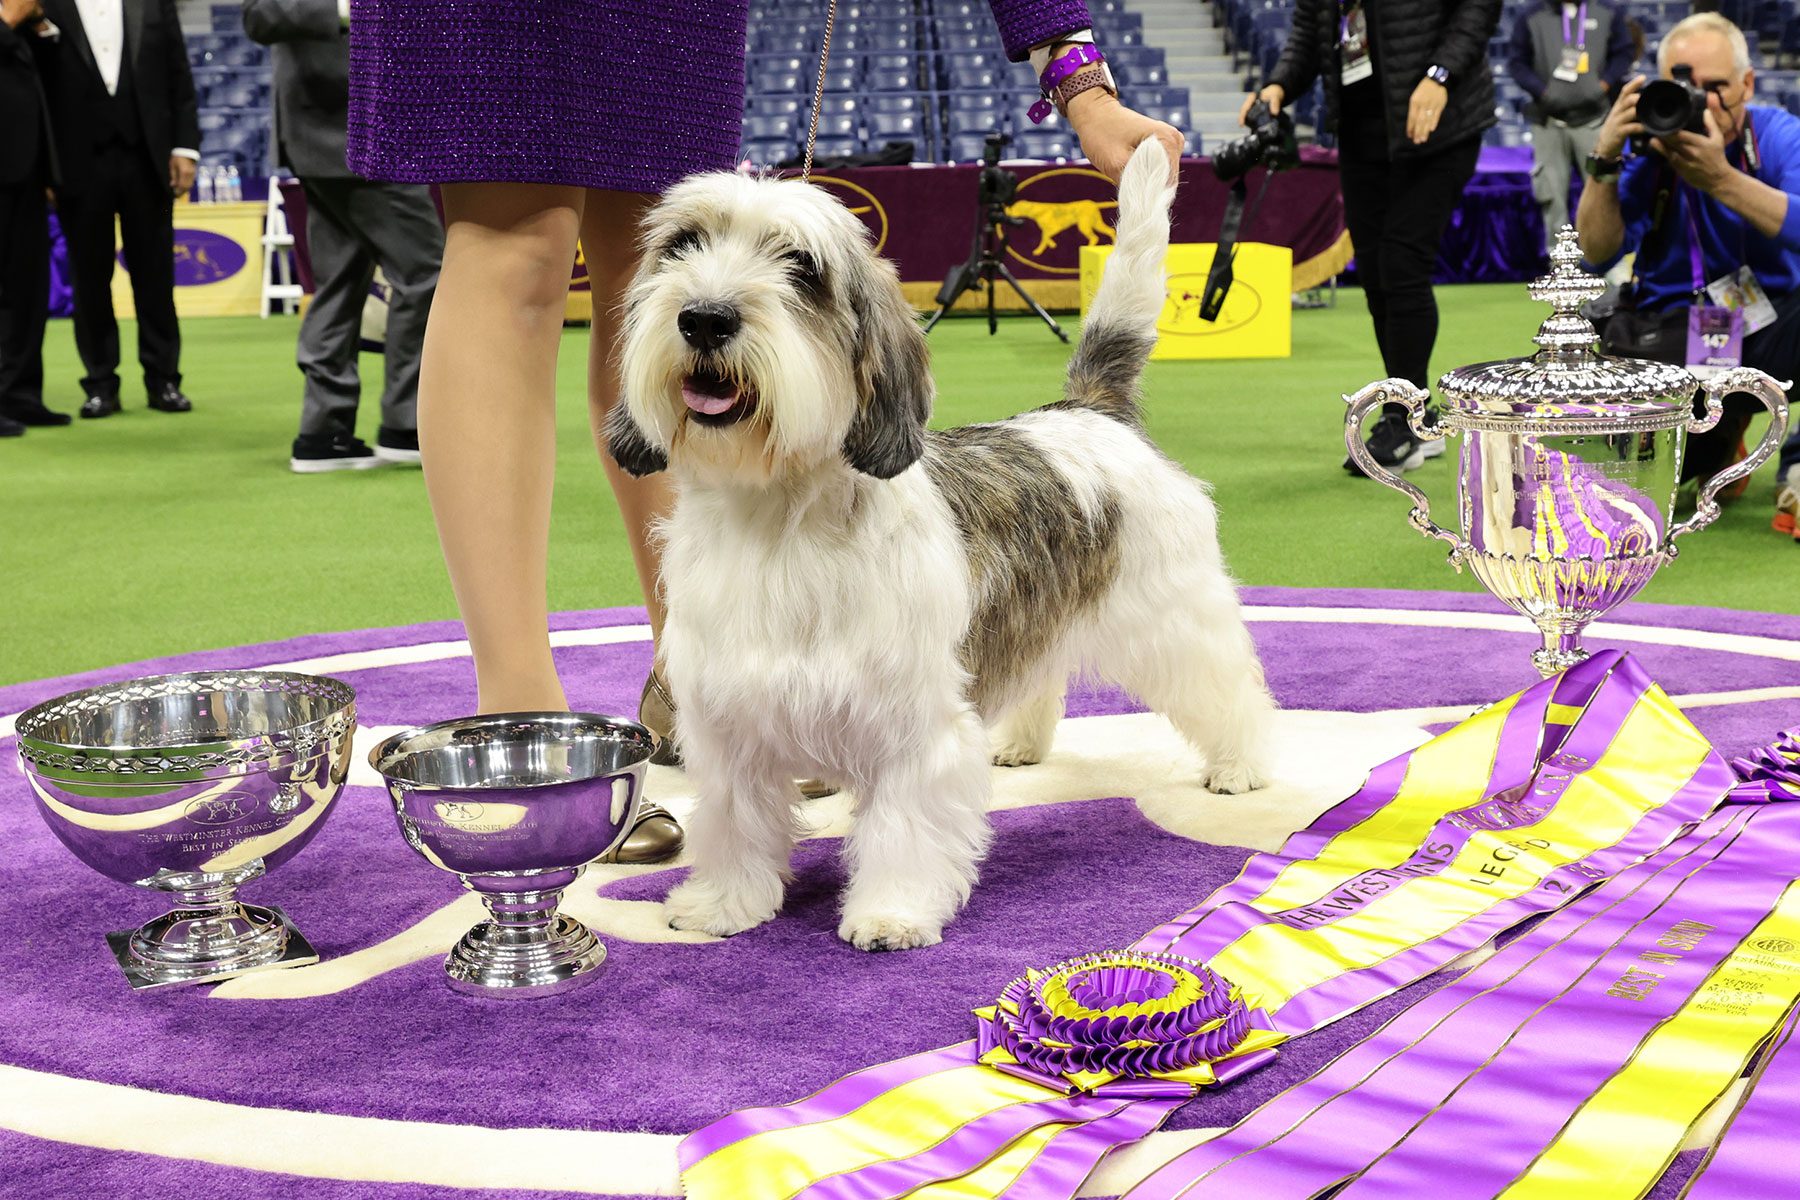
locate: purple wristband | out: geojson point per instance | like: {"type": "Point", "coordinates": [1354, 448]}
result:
{"type": "Point", "coordinates": [1080, 55]}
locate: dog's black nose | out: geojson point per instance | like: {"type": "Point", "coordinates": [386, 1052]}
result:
{"type": "Point", "coordinates": [708, 325]}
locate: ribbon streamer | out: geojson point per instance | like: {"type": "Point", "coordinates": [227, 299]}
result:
{"type": "Point", "coordinates": [1578, 1012]}
{"type": "Point", "coordinates": [1512, 813]}
{"type": "Point", "coordinates": [1758, 1158]}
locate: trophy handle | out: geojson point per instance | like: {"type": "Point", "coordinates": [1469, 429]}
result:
{"type": "Point", "coordinates": [1764, 388]}
{"type": "Point", "coordinates": [1398, 391]}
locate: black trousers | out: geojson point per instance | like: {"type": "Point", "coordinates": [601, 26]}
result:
{"type": "Point", "coordinates": [1396, 212]}
{"type": "Point", "coordinates": [24, 294]}
{"type": "Point", "coordinates": [126, 187]}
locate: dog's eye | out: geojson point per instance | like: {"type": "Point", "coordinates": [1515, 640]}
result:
{"type": "Point", "coordinates": [681, 243]}
{"type": "Point", "coordinates": [805, 269]}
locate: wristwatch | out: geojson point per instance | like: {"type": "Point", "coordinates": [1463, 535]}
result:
{"type": "Point", "coordinates": [1602, 168]}
{"type": "Point", "coordinates": [1437, 74]}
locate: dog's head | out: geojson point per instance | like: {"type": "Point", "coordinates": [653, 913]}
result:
{"type": "Point", "coordinates": [763, 337]}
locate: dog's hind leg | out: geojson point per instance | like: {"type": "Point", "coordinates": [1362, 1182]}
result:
{"type": "Point", "coordinates": [741, 836]}
{"type": "Point", "coordinates": [919, 835]}
{"type": "Point", "coordinates": [1022, 735]}
{"type": "Point", "coordinates": [1202, 673]}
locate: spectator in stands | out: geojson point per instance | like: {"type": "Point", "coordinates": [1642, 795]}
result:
{"type": "Point", "coordinates": [1409, 91]}
{"type": "Point", "coordinates": [351, 225]}
{"type": "Point", "coordinates": [1571, 59]}
{"type": "Point", "coordinates": [27, 168]}
{"type": "Point", "coordinates": [1704, 211]}
{"type": "Point", "coordinates": [544, 122]}
{"type": "Point", "coordinates": [127, 140]}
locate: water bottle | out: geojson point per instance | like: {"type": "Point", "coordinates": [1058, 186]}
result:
{"type": "Point", "coordinates": [204, 194]}
{"type": "Point", "coordinates": [234, 186]}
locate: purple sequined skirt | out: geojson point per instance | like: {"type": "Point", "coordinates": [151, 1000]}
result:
{"type": "Point", "coordinates": [613, 94]}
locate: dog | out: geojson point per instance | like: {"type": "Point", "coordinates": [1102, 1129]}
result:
{"type": "Point", "coordinates": [853, 597]}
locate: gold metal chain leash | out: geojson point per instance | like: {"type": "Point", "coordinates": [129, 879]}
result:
{"type": "Point", "coordinates": [812, 133]}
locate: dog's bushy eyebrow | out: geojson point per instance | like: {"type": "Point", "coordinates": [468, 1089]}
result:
{"type": "Point", "coordinates": [680, 243]}
{"type": "Point", "coordinates": [806, 271]}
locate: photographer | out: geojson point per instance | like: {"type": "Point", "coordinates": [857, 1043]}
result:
{"type": "Point", "coordinates": [1571, 59]}
{"type": "Point", "coordinates": [1712, 205]}
{"type": "Point", "coordinates": [1409, 91]}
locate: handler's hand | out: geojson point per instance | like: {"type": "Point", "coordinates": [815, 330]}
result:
{"type": "Point", "coordinates": [1427, 107]}
{"type": "Point", "coordinates": [181, 174]}
{"type": "Point", "coordinates": [1109, 132]}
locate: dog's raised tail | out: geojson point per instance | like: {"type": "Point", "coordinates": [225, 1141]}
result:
{"type": "Point", "coordinates": [1120, 329]}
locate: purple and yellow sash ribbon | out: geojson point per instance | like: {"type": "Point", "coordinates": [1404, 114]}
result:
{"type": "Point", "coordinates": [1759, 1157]}
{"type": "Point", "coordinates": [1512, 813]}
{"type": "Point", "coordinates": [1607, 1012]}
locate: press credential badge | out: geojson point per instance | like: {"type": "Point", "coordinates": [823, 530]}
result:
{"type": "Point", "coordinates": [1353, 34]}
{"type": "Point", "coordinates": [1743, 294]}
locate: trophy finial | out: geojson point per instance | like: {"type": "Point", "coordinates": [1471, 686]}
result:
{"type": "Point", "coordinates": [1566, 334]}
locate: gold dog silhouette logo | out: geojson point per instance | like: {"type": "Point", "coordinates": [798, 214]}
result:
{"type": "Point", "coordinates": [203, 257]}
{"type": "Point", "coordinates": [1181, 308]}
{"type": "Point", "coordinates": [1070, 207]}
{"type": "Point", "coordinates": [1086, 217]}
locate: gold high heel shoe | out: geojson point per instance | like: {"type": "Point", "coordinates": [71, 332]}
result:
{"type": "Point", "coordinates": [656, 712]}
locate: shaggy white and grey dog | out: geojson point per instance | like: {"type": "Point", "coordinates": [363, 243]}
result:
{"type": "Point", "coordinates": [853, 597]}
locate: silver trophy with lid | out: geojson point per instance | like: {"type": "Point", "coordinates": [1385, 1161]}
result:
{"type": "Point", "coordinates": [1569, 466]}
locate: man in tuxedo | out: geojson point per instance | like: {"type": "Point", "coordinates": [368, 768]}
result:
{"type": "Point", "coordinates": [127, 140]}
{"type": "Point", "coordinates": [351, 225]}
{"type": "Point", "coordinates": [27, 167]}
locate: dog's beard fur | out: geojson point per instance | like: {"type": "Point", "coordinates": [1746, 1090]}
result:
{"type": "Point", "coordinates": [795, 268]}
{"type": "Point", "coordinates": [832, 611]}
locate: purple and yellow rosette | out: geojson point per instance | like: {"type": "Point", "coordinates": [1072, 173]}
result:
{"type": "Point", "coordinates": [1144, 1018]}
{"type": "Point", "coordinates": [1774, 768]}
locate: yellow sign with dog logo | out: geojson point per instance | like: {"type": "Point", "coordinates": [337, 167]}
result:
{"type": "Point", "coordinates": [1255, 322]}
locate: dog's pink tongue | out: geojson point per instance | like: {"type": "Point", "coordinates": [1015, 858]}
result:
{"type": "Point", "coordinates": [705, 402]}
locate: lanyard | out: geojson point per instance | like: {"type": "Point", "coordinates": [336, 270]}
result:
{"type": "Point", "coordinates": [1580, 36]}
{"type": "Point", "coordinates": [1345, 8]}
{"type": "Point", "coordinates": [1688, 200]}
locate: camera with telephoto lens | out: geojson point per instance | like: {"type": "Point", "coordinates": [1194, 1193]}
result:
{"type": "Point", "coordinates": [1667, 106]}
{"type": "Point", "coordinates": [998, 187]}
{"type": "Point", "coordinates": [1270, 143]}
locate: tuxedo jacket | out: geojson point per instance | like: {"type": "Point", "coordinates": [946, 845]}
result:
{"type": "Point", "coordinates": [155, 106]}
{"type": "Point", "coordinates": [27, 154]}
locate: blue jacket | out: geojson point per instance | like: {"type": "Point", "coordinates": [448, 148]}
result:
{"type": "Point", "coordinates": [1664, 269]}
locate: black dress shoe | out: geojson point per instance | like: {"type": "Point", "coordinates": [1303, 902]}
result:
{"type": "Point", "coordinates": [36, 414]}
{"type": "Point", "coordinates": [168, 398]}
{"type": "Point", "coordinates": [11, 428]}
{"type": "Point", "coordinates": [100, 405]}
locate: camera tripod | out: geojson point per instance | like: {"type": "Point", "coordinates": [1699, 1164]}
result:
{"type": "Point", "coordinates": [984, 268]}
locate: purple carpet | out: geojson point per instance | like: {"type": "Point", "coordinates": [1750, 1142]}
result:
{"type": "Point", "coordinates": [677, 1035]}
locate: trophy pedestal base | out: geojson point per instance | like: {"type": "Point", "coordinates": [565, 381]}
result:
{"type": "Point", "coordinates": [184, 947]}
{"type": "Point", "coordinates": [506, 962]}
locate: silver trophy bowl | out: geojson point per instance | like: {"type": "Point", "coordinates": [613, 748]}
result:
{"type": "Point", "coordinates": [193, 784]}
{"type": "Point", "coordinates": [1569, 464]}
{"type": "Point", "coordinates": [517, 804]}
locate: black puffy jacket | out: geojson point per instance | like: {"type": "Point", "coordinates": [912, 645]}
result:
{"type": "Point", "coordinates": [1407, 36]}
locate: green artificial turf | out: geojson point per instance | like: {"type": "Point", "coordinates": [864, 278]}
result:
{"type": "Point", "coordinates": [149, 534]}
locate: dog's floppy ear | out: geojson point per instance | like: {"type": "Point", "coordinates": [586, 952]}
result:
{"type": "Point", "coordinates": [628, 445]}
{"type": "Point", "coordinates": [893, 375]}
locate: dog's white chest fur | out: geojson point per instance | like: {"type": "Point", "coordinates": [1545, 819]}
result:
{"type": "Point", "coordinates": [798, 608]}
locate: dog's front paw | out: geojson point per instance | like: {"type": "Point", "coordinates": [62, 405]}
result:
{"type": "Point", "coordinates": [1017, 754]}
{"type": "Point", "coordinates": [888, 931]}
{"type": "Point", "coordinates": [701, 907]}
{"type": "Point", "coordinates": [1229, 779]}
